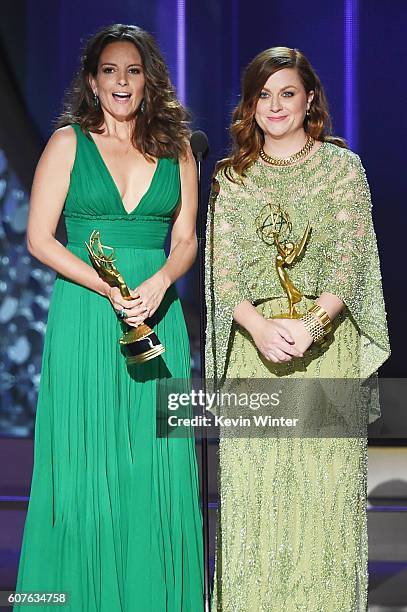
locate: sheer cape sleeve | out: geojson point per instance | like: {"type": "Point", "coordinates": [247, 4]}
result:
{"type": "Point", "coordinates": [224, 283]}
{"type": "Point", "coordinates": [350, 267]}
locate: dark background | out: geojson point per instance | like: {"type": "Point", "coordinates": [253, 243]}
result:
{"type": "Point", "coordinates": [357, 47]}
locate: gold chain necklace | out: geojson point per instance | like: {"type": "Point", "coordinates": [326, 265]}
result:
{"type": "Point", "coordinates": [287, 161]}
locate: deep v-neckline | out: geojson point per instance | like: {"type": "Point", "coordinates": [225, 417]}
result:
{"type": "Point", "coordinates": [114, 184]}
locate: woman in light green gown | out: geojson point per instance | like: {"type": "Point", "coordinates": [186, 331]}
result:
{"type": "Point", "coordinates": [292, 519]}
{"type": "Point", "coordinates": [114, 518]}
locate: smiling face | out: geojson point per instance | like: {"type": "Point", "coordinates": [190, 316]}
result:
{"type": "Point", "coordinates": [120, 80]}
{"type": "Point", "coordinates": [282, 104]}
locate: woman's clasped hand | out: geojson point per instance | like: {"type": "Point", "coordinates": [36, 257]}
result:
{"type": "Point", "coordinates": [144, 302]}
{"type": "Point", "coordinates": [280, 340]}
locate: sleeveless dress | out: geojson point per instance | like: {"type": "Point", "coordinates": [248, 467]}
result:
{"type": "Point", "coordinates": [114, 517]}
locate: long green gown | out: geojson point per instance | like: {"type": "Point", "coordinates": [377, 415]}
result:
{"type": "Point", "coordinates": [114, 516]}
{"type": "Point", "coordinates": [292, 530]}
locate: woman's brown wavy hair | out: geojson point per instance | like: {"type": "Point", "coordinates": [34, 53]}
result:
{"type": "Point", "coordinates": [247, 137]}
{"type": "Point", "coordinates": [162, 129]}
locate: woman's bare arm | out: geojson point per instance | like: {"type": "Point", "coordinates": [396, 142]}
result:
{"type": "Point", "coordinates": [331, 303]}
{"type": "Point", "coordinates": [49, 190]}
{"type": "Point", "coordinates": [183, 236]}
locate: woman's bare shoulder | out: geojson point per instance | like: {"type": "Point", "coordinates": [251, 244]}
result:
{"type": "Point", "coordinates": [62, 144]}
{"type": "Point", "coordinates": [64, 137]}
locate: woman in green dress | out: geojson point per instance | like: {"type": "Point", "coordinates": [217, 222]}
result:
{"type": "Point", "coordinates": [292, 520]}
{"type": "Point", "coordinates": [114, 517]}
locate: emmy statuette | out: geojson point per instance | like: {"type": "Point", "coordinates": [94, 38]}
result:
{"type": "Point", "coordinates": [271, 224]}
{"type": "Point", "coordinates": [140, 343]}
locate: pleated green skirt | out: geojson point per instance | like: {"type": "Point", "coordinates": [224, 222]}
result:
{"type": "Point", "coordinates": [113, 517]}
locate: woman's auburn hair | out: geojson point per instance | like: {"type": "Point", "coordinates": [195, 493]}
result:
{"type": "Point", "coordinates": [162, 129]}
{"type": "Point", "coordinates": [247, 137]}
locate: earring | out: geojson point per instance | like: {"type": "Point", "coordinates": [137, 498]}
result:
{"type": "Point", "coordinates": [96, 101]}
{"type": "Point", "coordinates": [308, 112]}
{"type": "Point", "coordinates": [142, 106]}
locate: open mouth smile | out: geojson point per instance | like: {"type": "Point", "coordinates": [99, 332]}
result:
{"type": "Point", "coordinates": [121, 97]}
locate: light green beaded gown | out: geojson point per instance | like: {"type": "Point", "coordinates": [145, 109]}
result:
{"type": "Point", "coordinates": [292, 520]}
{"type": "Point", "coordinates": [114, 517]}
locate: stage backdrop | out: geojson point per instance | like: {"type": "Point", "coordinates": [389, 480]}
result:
{"type": "Point", "coordinates": [356, 46]}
